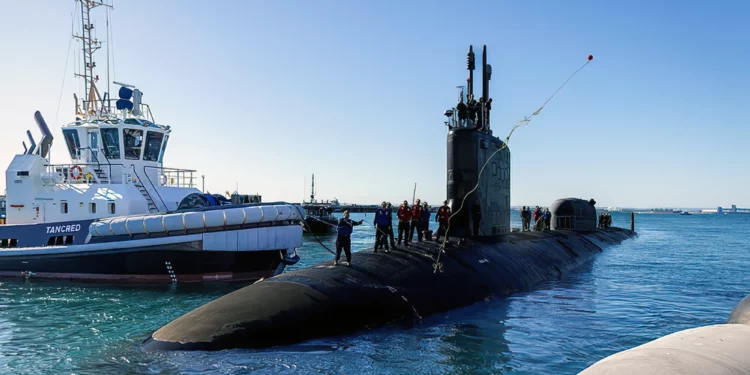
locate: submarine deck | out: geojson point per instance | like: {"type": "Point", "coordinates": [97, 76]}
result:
{"type": "Point", "coordinates": [380, 288]}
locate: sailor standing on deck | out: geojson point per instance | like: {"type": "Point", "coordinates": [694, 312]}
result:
{"type": "Point", "coordinates": [547, 219]}
{"type": "Point", "coordinates": [442, 217]}
{"type": "Point", "coordinates": [416, 221]}
{"type": "Point", "coordinates": [607, 220]}
{"type": "Point", "coordinates": [390, 224]}
{"type": "Point", "coordinates": [404, 218]}
{"type": "Point", "coordinates": [472, 111]}
{"type": "Point", "coordinates": [538, 222]}
{"type": "Point", "coordinates": [382, 220]}
{"type": "Point", "coordinates": [463, 112]}
{"type": "Point", "coordinates": [425, 219]}
{"type": "Point", "coordinates": [344, 238]}
{"type": "Point", "coordinates": [476, 218]}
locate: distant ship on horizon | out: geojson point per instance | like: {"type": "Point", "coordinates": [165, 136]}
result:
{"type": "Point", "coordinates": [661, 211]}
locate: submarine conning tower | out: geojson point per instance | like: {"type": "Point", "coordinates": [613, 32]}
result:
{"type": "Point", "coordinates": [470, 145]}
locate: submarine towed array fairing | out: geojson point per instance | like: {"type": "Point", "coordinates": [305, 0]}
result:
{"type": "Point", "coordinates": [413, 282]}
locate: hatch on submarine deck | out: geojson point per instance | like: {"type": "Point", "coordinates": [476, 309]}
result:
{"type": "Point", "coordinates": [409, 283]}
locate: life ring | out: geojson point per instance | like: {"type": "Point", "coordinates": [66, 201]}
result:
{"type": "Point", "coordinates": [76, 176]}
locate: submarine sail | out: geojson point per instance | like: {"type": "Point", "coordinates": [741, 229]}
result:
{"type": "Point", "coordinates": [471, 146]}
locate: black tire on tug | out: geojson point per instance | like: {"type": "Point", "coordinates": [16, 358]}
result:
{"type": "Point", "coordinates": [192, 201]}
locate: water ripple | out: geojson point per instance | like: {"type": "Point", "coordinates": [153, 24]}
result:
{"type": "Point", "coordinates": [681, 272]}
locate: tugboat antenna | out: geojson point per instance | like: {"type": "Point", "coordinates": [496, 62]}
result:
{"type": "Point", "coordinates": [90, 45]}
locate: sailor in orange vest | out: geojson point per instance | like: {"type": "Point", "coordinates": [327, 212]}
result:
{"type": "Point", "coordinates": [442, 217]}
{"type": "Point", "coordinates": [416, 221]}
{"type": "Point", "coordinates": [404, 217]}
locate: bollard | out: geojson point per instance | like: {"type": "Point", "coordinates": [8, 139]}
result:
{"type": "Point", "coordinates": [632, 221]}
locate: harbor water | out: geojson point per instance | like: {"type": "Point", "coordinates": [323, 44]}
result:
{"type": "Point", "coordinates": [681, 272]}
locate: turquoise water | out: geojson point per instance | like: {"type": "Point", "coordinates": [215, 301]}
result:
{"type": "Point", "coordinates": [681, 272]}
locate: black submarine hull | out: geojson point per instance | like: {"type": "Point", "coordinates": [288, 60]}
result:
{"type": "Point", "coordinates": [378, 289]}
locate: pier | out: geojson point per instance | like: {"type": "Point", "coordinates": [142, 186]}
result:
{"type": "Point", "coordinates": [733, 210]}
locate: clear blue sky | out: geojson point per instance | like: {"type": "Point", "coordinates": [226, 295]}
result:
{"type": "Point", "coordinates": [266, 93]}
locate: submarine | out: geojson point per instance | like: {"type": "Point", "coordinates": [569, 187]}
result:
{"type": "Point", "coordinates": [483, 259]}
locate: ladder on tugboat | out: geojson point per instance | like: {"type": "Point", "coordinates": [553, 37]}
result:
{"type": "Point", "coordinates": [151, 204]}
{"type": "Point", "coordinates": [102, 176]}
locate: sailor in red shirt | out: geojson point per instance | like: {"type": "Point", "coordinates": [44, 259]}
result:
{"type": "Point", "coordinates": [404, 216]}
{"type": "Point", "coordinates": [442, 217]}
{"type": "Point", "coordinates": [416, 221]}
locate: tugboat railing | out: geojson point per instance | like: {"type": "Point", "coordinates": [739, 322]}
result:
{"type": "Point", "coordinates": [175, 177]}
{"type": "Point", "coordinates": [103, 112]}
{"type": "Point", "coordinates": [65, 170]}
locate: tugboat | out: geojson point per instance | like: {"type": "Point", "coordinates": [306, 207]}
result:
{"type": "Point", "coordinates": [319, 219]}
{"type": "Point", "coordinates": [116, 213]}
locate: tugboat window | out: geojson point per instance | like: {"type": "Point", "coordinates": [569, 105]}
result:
{"type": "Point", "coordinates": [92, 208]}
{"type": "Point", "coordinates": [153, 146]}
{"type": "Point", "coordinates": [111, 207]}
{"type": "Point", "coordinates": [64, 207]}
{"type": "Point", "coordinates": [111, 139]}
{"type": "Point", "coordinates": [133, 139]}
{"type": "Point", "coordinates": [71, 139]}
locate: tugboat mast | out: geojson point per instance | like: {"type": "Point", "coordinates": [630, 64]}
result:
{"type": "Point", "coordinates": [90, 45]}
{"type": "Point", "coordinates": [312, 192]}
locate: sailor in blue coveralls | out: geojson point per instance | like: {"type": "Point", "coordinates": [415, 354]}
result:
{"type": "Point", "coordinates": [382, 222]}
{"type": "Point", "coordinates": [344, 238]}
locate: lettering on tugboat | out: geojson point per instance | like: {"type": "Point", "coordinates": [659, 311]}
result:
{"type": "Point", "coordinates": [63, 228]}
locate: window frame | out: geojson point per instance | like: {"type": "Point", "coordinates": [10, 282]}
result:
{"type": "Point", "coordinates": [158, 150]}
{"type": "Point", "coordinates": [71, 136]}
{"type": "Point", "coordinates": [125, 148]}
{"type": "Point", "coordinates": [105, 145]}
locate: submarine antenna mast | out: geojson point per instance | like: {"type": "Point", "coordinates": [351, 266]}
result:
{"type": "Point", "coordinates": [90, 45]}
{"type": "Point", "coordinates": [486, 76]}
{"type": "Point", "coordinates": [470, 66]}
